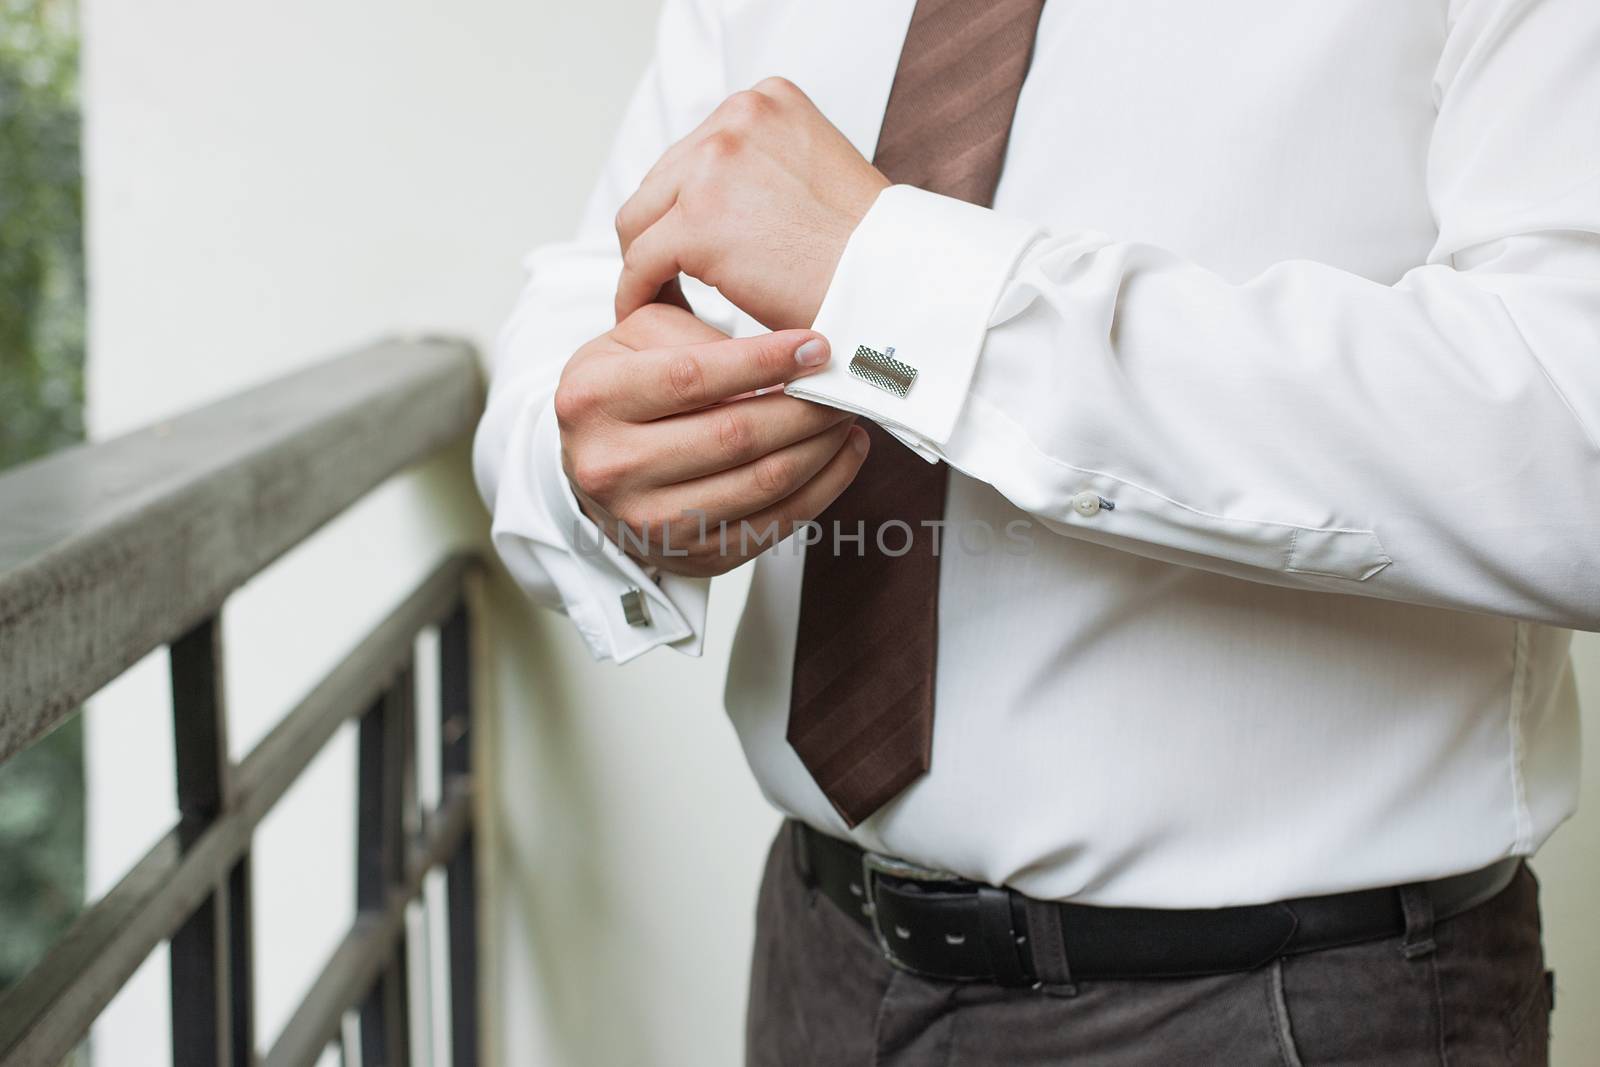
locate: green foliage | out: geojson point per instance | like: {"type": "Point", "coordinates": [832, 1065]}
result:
{"type": "Point", "coordinates": [41, 231]}
{"type": "Point", "coordinates": [41, 402]}
{"type": "Point", "coordinates": [41, 848]}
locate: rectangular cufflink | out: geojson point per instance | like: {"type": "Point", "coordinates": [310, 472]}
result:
{"type": "Point", "coordinates": [883, 370]}
{"type": "Point", "coordinates": [635, 608]}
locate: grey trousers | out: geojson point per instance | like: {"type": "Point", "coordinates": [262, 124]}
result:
{"type": "Point", "coordinates": [822, 996]}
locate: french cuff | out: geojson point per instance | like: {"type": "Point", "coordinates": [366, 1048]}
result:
{"type": "Point", "coordinates": [621, 610]}
{"type": "Point", "coordinates": [908, 309]}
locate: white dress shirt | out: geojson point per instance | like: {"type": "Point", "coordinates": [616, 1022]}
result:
{"type": "Point", "coordinates": [1274, 373]}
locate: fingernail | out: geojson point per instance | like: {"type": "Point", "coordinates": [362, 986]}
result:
{"type": "Point", "coordinates": [813, 353]}
{"type": "Point", "coordinates": [858, 440]}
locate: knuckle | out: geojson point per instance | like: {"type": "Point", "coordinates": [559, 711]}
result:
{"type": "Point", "coordinates": [721, 145]}
{"type": "Point", "coordinates": [642, 512]}
{"type": "Point", "coordinates": [776, 86]}
{"type": "Point", "coordinates": [774, 359]}
{"type": "Point", "coordinates": [685, 451]}
{"type": "Point", "coordinates": [599, 475]}
{"type": "Point", "coordinates": [636, 515]}
{"type": "Point", "coordinates": [684, 532]}
{"type": "Point", "coordinates": [667, 529]}
{"type": "Point", "coordinates": [574, 401]}
{"type": "Point", "coordinates": [733, 435]}
{"type": "Point", "coordinates": [632, 256]}
{"type": "Point", "coordinates": [773, 475]}
{"type": "Point", "coordinates": [745, 108]}
{"type": "Point", "coordinates": [686, 379]}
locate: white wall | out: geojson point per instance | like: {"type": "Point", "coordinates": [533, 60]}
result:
{"type": "Point", "coordinates": [1569, 870]}
{"type": "Point", "coordinates": [269, 183]}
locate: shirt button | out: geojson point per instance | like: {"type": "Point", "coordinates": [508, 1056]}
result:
{"type": "Point", "coordinates": [1086, 504]}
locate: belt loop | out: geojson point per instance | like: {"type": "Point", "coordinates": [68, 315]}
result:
{"type": "Point", "coordinates": [1048, 946]}
{"type": "Point", "coordinates": [1417, 905]}
{"type": "Point", "coordinates": [999, 939]}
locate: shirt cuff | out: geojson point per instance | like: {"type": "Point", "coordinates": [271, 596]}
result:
{"type": "Point", "coordinates": [920, 275]}
{"type": "Point", "coordinates": [542, 533]}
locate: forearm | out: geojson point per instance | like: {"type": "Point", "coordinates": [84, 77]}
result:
{"type": "Point", "coordinates": [554, 552]}
{"type": "Point", "coordinates": [1431, 441]}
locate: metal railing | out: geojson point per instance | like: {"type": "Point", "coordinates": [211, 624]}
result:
{"type": "Point", "coordinates": [110, 551]}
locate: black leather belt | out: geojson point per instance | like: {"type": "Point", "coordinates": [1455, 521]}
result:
{"type": "Point", "coordinates": [942, 926]}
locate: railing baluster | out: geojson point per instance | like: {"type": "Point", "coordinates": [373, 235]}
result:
{"type": "Point", "coordinates": [383, 770]}
{"type": "Point", "coordinates": [455, 737]}
{"type": "Point", "coordinates": [210, 953]}
{"type": "Point", "coordinates": [112, 550]}
{"type": "Point", "coordinates": [193, 888]}
{"type": "Point", "coordinates": [242, 954]}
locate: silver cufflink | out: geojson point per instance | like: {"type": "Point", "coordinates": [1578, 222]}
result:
{"type": "Point", "coordinates": [635, 608]}
{"type": "Point", "coordinates": [883, 370]}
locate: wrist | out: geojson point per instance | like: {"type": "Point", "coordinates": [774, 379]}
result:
{"type": "Point", "coordinates": [855, 205]}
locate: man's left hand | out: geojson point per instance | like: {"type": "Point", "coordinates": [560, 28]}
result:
{"type": "Point", "coordinates": [757, 202]}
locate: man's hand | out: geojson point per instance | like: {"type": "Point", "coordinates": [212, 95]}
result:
{"type": "Point", "coordinates": [757, 202]}
{"type": "Point", "coordinates": [661, 433]}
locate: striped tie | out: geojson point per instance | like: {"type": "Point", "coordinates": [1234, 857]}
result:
{"type": "Point", "coordinates": [861, 707]}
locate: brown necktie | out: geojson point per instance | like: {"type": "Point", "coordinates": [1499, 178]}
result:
{"type": "Point", "coordinates": [861, 709]}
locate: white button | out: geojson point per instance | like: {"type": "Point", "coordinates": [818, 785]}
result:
{"type": "Point", "coordinates": [1086, 504]}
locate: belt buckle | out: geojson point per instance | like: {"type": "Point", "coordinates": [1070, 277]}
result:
{"type": "Point", "coordinates": [875, 864]}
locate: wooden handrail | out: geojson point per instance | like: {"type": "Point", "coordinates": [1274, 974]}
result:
{"type": "Point", "coordinates": [110, 550]}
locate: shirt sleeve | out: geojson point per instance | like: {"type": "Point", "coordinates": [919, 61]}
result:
{"type": "Point", "coordinates": [1434, 441]}
{"type": "Point", "coordinates": [549, 546]}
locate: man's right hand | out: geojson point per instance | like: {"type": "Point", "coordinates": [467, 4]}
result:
{"type": "Point", "coordinates": [661, 433]}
